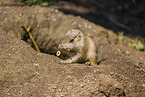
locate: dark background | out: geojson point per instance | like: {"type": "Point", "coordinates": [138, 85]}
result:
{"type": "Point", "coordinates": [117, 15]}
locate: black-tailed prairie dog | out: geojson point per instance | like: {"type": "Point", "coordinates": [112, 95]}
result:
{"type": "Point", "coordinates": [85, 47]}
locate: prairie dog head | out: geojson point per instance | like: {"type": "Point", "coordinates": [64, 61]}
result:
{"type": "Point", "coordinates": [73, 39]}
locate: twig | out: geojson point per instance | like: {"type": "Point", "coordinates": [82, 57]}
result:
{"type": "Point", "coordinates": [140, 67]}
{"type": "Point", "coordinates": [30, 35]}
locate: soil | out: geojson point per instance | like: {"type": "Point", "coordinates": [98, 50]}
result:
{"type": "Point", "coordinates": [26, 72]}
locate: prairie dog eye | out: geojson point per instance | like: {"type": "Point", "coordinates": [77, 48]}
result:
{"type": "Point", "coordinates": [71, 40]}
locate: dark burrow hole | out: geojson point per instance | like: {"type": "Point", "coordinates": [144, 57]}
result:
{"type": "Point", "coordinates": [52, 49]}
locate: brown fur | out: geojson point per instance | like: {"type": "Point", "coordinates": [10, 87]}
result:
{"type": "Point", "coordinates": [84, 46]}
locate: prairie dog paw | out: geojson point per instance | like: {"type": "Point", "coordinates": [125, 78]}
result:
{"type": "Point", "coordinates": [66, 61]}
{"type": "Point", "coordinates": [89, 64]}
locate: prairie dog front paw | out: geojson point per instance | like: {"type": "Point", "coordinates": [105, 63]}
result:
{"type": "Point", "coordinates": [66, 61]}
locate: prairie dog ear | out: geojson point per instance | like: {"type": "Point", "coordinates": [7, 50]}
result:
{"type": "Point", "coordinates": [80, 35]}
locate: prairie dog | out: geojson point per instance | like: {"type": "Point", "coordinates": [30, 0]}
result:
{"type": "Point", "coordinates": [84, 46]}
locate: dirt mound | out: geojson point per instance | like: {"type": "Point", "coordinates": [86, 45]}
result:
{"type": "Point", "coordinates": [25, 72]}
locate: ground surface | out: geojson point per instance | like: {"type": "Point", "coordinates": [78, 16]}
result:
{"type": "Point", "coordinates": [25, 72]}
